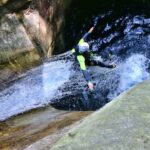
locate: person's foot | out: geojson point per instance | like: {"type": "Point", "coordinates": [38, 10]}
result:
{"type": "Point", "coordinates": [112, 66]}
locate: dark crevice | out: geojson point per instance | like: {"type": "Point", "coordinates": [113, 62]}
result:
{"type": "Point", "coordinates": [14, 6]}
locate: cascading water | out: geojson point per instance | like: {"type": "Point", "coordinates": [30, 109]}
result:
{"type": "Point", "coordinates": [123, 34]}
{"type": "Point", "coordinates": [132, 71]}
{"type": "Point", "coordinates": [35, 89]}
{"type": "Point", "coordinates": [130, 51]}
{"type": "Point", "coordinates": [122, 30]}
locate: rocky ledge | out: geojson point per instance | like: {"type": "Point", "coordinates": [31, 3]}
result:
{"type": "Point", "coordinates": [121, 124]}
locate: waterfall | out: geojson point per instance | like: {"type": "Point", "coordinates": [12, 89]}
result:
{"type": "Point", "coordinates": [35, 89]}
{"type": "Point", "coordinates": [132, 71]}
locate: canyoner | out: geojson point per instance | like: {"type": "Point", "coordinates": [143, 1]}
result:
{"type": "Point", "coordinates": [85, 54]}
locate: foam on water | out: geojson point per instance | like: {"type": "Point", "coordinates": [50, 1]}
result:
{"type": "Point", "coordinates": [36, 89]}
{"type": "Point", "coordinates": [131, 72]}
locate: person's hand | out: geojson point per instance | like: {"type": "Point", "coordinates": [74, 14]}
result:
{"type": "Point", "coordinates": [91, 86]}
{"type": "Point", "coordinates": [91, 30]}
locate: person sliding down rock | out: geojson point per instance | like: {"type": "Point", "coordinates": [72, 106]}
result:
{"type": "Point", "coordinates": [84, 56]}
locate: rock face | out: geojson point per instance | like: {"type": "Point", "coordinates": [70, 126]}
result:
{"type": "Point", "coordinates": [14, 39]}
{"type": "Point", "coordinates": [17, 53]}
{"type": "Point", "coordinates": [122, 124]}
{"type": "Point", "coordinates": [54, 14]}
{"type": "Point", "coordinates": [7, 6]}
{"type": "Point", "coordinates": [28, 34]}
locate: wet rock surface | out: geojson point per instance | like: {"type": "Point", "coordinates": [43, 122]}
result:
{"type": "Point", "coordinates": [17, 53]}
{"type": "Point", "coordinates": [21, 131]}
{"type": "Point", "coordinates": [14, 39]}
{"type": "Point", "coordinates": [28, 35]}
{"type": "Point", "coordinates": [34, 89]}
{"type": "Point", "coordinates": [121, 124]}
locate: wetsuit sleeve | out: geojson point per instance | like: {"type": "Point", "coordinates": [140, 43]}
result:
{"type": "Point", "coordinates": [86, 75]}
{"type": "Point", "coordinates": [81, 61]}
{"type": "Point", "coordinates": [84, 38]}
{"type": "Point", "coordinates": [73, 50]}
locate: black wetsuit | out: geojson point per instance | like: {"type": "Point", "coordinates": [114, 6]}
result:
{"type": "Point", "coordinates": [85, 58]}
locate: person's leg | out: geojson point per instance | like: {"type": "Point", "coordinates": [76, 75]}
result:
{"type": "Point", "coordinates": [102, 64]}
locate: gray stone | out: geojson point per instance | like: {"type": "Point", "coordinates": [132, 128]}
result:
{"type": "Point", "coordinates": [17, 53]}
{"type": "Point", "coordinates": [13, 39]}
{"type": "Point", "coordinates": [123, 124]}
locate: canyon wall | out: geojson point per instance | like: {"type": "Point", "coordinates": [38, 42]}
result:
{"type": "Point", "coordinates": [29, 33]}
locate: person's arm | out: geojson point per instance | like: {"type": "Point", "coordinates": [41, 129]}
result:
{"type": "Point", "coordinates": [88, 79]}
{"type": "Point", "coordinates": [87, 76]}
{"type": "Point", "coordinates": [84, 38]}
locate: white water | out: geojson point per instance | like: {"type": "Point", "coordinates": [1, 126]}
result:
{"type": "Point", "coordinates": [131, 72]}
{"type": "Point", "coordinates": [36, 89]}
